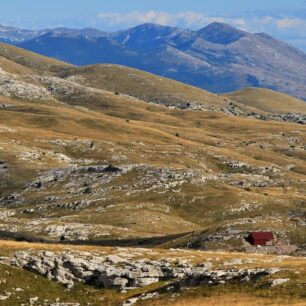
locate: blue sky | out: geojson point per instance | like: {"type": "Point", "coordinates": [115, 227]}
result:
{"type": "Point", "coordinates": [284, 19]}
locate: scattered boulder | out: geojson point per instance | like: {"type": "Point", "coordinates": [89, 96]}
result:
{"type": "Point", "coordinates": [279, 281]}
{"type": "Point", "coordinates": [111, 168]}
{"type": "Point", "coordinates": [5, 106]}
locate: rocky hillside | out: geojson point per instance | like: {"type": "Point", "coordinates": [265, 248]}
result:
{"type": "Point", "coordinates": [166, 177]}
{"type": "Point", "coordinates": [218, 58]}
{"type": "Point", "coordinates": [88, 156]}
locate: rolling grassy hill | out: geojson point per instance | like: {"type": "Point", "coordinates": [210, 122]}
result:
{"type": "Point", "coordinates": [268, 100]}
{"type": "Point", "coordinates": [114, 156]}
{"type": "Point", "coordinates": [176, 170]}
{"type": "Point", "coordinates": [145, 86]}
{"type": "Point", "coordinates": [150, 88]}
{"type": "Point", "coordinates": [31, 60]}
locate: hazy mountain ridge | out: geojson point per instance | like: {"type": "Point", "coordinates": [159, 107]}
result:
{"type": "Point", "coordinates": [16, 35]}
{"type": "Point", "coordinates": [218, 58]}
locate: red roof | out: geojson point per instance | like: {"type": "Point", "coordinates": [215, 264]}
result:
{"type": "Point", "coordinates": [262, 235]}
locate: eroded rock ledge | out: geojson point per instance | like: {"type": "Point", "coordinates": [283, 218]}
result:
{"type": "Point", "coordinates": [118, 272]}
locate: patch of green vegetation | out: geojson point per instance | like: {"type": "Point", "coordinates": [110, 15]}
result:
{"type": "Point", "coordinates": [14, 180]}
{"type": "Point", "coordinates": [42, 121]}
{"type": "Point", "coordinates": [35, 286]}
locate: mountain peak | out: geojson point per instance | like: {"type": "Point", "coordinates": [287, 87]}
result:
{"type": "Point", "coordinates": [221, 33]}
{"type": "Point", "coordinates": [216, 25]}
{"type": "Point", "coordinates": [71, 32]}
{"type": "Point", "coordinates": [145, 36]}
{"type": "Point", "coordinates": [151, 26]}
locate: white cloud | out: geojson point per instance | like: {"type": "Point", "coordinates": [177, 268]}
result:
{"type": "Point", "coordinates": [289, 28]}
{"type": "Point", "coordinates": [195, 20]}
{"type": "Point", "coordinates": [289, 23]}
{"type": "Point", "coordinates": [133, 18]}
{"type": "Point", "coordinates": [184, 19]}
{"type": "Point", "coordinates": [282, 27]}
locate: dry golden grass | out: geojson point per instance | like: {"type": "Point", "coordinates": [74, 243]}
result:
{"type": "Point", "coordinates": [8, 247]}
{"type": "Point", "coordinates": [14, 68]}
{"type": "Point", "coordinates": [268, 100]}
{"type": "Point", "coordinates": [138, 83]}
{"type": "Point", "coordinates": [143, 85]}
{"type": "Point", "coordinates": [232, 300]}
{"type": "Point", "coordinates": [31, 60]}
{"type": "Point", "coordinates": [127, 130]}
{"type": "Point", "coordinates": [201, 134]}
{"type": "Point", "coordinates": [216, 258]}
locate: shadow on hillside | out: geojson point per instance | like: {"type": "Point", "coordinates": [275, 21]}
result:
{"type": "Point", "coordinates": [134, 242]}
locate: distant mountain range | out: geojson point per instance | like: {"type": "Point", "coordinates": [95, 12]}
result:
{"type": "Point", "coordinates": [218, 58]}
{"type": "Point", "coordinates": [15, 35]}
